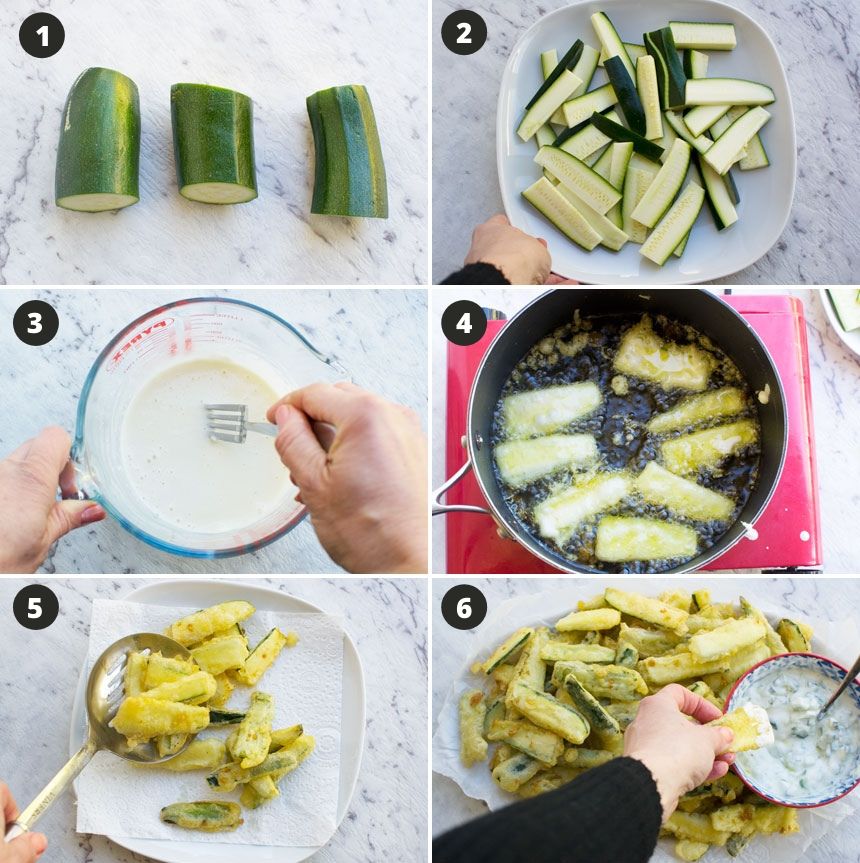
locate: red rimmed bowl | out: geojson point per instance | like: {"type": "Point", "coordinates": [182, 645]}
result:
{"type": "Point", "coordinates": [798, 769]}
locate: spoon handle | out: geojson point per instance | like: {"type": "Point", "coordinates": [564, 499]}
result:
{"type": "Point", "coordinates": [846, 682]}
{"type": "Point", "coordinates": [51, 791]}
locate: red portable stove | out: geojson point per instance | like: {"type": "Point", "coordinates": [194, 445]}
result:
{"type": "Point", "coordinates": [789, 529]}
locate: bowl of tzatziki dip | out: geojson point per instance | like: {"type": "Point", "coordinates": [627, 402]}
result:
{"type": "Point", "coordinates": [811, 761]}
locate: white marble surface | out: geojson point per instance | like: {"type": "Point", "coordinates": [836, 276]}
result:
{"type": "Point", "coordinates": [41, 386]}
{"type": "Point", "coordinates": [818, 44]}
{"type": "Point", "coordinates": [387, 620]}
{"type": "Point", "coordinates": [836, 414]}
{"type": "Point", "coordinates": [276, 52]}
{"type": "Point", "coordinates": [824, 599]}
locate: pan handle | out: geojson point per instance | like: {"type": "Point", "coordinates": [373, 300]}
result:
{"type": "Point", "coordinates": [440, 508]}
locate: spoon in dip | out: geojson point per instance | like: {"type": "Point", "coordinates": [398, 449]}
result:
{"type": "Point", "coordinates": [846, 682]}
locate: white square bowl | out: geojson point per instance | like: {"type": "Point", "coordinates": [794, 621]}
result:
{"type": "Point", "coordinates": [765, 193]}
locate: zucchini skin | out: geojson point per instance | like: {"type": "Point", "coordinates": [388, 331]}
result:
{"type": "Point", "coordinates": [628, 96]}
{"type": "Point", "coordinates": [213, 136]}
{"type": "Point", "coordinates": [99, 148]}
{"type": "Point", "coordinates": [350, 173]}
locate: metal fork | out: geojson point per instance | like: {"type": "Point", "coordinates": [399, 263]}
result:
{"type": "Point", "coordinates": [230, 423]}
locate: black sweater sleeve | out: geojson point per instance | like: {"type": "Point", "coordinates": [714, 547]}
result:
{"type": "Point", "coordinates": [477, 274]}
{"type": "Point", "coordinates": [610, 814]}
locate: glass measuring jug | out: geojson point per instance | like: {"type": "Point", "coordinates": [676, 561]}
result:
{"type": "Point", "coordinates": [195, 328]}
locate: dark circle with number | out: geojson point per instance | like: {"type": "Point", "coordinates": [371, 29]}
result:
{"type": "Point", "coordinates": [36, 323]}
{"type": "Point", "coordinates": [464, 606]}
{"type": "Point", "coordinates": [464, 323]}
{"type": "Point", "coordinates": [464, 32]}
{"type": "Point", "coordinates": [41, 35]}
{"type": "Point", "coordinates": [36, 606]}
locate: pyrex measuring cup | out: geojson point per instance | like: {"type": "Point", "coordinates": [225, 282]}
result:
{"type": "Point", "coordinates": [196, 328]}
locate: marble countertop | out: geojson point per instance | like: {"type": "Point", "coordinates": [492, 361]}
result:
{"type": "Point", "coordinates": [41, 386]}
{"type": "Point", "coordinates": [828, 599]}
{"type": "Point", "coordinates": [276, 53]}
{"type": "Point", "coordinates": [836, 414]}
{"type": "Point", "coordinates": [818, 47]}
{"type": "Point", "coordinates": [387, 620]}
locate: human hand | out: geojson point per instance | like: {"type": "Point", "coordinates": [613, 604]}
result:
{"type": "Point", "coordinates": [22, 849]}
{"type": "Point", "coordinates": [367, 495]}
{"type": "Point", "coordinates": [31, 517]}
{"type": "Point", "coordinates": [523, 260]}
{"type": "Point", "coordinates": [680, 754]}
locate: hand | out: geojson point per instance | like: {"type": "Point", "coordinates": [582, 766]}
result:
{"type": "Point", "coordinates": [367, 495]}
{"type": "Point", "coordinates": [31, 517]}
{"type": "Point", "coordinates": [680, 754]}
{"type": "Point", "coordinates": [522, 259]}
{"type": "Point", "coordinates": [23, 849]}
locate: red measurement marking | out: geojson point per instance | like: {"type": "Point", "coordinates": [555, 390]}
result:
{"type": "Point", "coordinates": [139, 336]}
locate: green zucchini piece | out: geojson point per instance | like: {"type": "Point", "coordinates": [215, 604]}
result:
{"type": "Point", "coordinates": [585, 139]}
{"type": "Point", "coordinates": [622, 151]}
{"type": "Point", "coordinates": [576, 175]}
{"type": "Point", "coordinates": [582, 107]}
{"type": "Point", "coordinates": [649, 93]}
{"type": "Point", "coordinates": [679, 249]}
{"type": "Point", "coordinates": [675, 225]}
{"type": "Point", "coordinates": [717, 193]}
{"type": "Point", "coordinates": [551, 100]}
{"type": "Point", "coordinates": [611, 235]}
{"type": "Point", "coordinates": [225, 717]}
{"type": "Point", "coordinates": [675, 122]}
{"type": "Point", "coordinates": [636, 184]}
{"type": "Point", "coordinates": [207, 815]}
{"type": "Point", "coordinates": [617, 132]}
{"type": "Point", "coordinates": [756, 156]}
{"type": "Point", "coordinates": [590, 707]}
{"type": "Point", "coordinates": [603, 165]}
{"type": "Point", "coordinates": [567, 63]}
{"type": "Point", "coordinates": [350, 173]}
{"type": "Point", "coordinates": [793, 636]}
{"type": "Point", "coordinates": [707, 35]}
{"type": "Point", "coordinates": [695, 63]}
{"type": "Point", "coordinates": [548, 201]}
{"type": "Point", "coordinates": [682, 496]}
{"type": "Point", "coordinates": [99, 151]}
{"type": "Point", "coordinates": [523, 461]}
{"type": "Point", "coordinates": [719, 91]}
{"type": "Point", "coordinates": [626, 94]}
{"type": "Point", "coordinates": [213, 144]}
{"type": "Point", "coordinates": [622, 538]}
{"type": "Point", "coordinates": [729, 147]}
{"type": "Point", "coordinates": [611, 42]}
{"type": "Point", "coordinates": [670, 73]}
{"type": "Point", "coordinates": [634, 52]}
{"type": "Point", "coordinates": [707, 448]}
{"type": "Point", "coordinates": [658, 199]}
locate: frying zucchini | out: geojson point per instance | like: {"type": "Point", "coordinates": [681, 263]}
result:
{"type": "Point", "coordinates": [692, 410]}
{"type": "Point", "coordinates": [706, 449]}
{"type": "Point", "coordinates": [204, 815]}
{"type": "Point", "coordinates": [202, 624]}
{"type": "Point", "coordinates": [198, 755]}
{"type": "Point", "coordinates": [537, 412]}
{"type": "Point", "coordinates": [523, 461]}
{"type": "Point", "coordinates": [549, 713]}
{"type": "Point", "coordinates": [261, 657]}
{"type": "Point", "coordinates": [682, 496]}
{"type": "Point", "coordinates": [622, 538]}
{"type": "Point", "coordinates": [254, 733]}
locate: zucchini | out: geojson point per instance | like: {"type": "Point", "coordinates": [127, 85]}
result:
{"type": "Point", "coordinates": [141, 718]}
{"type": "Point", "coordinates": [634, 51]}
{"type": "Point", "coordinates": [717, 194]}
{"type": "Point", "coordinates": [619, 162]}
{"type": "Point", "coordinates": [584, 70]}
{"type": "Point", "coordinates": [559, 651]}
{"type": "Point", "coordinates": [282, 737]}
{"type": "Point", "coordinates": [675, 122]}
{"type": "Point", "coordinates": [550, 713]}
{"type": "Point", "coordinates": [721, 91]}
{"type": "Point", "coordinates": [198, 755]}
{"type": "Point", "coordinates": [207, 815]}
{"type": "Point", "coordinates": [496, 712]}
{"type": "Point", "coordinates": [548, 201]}
{"type": "Point", "coordinates": [610, 233]}
{"type": "Point", "coordinates": [794, 638]}
{"type": "Point", "coordinates": [551, 99]}
{"type": "Point", "coordinates": [585, 758]}
{"type": "Point", "coordinates": [603, 165]}
{"type": "Point", "coordinates": [636, 183]}
{"type": "Point", "coordinates": [679, 249]}
{"type": "Point", "coordinates": [350, 173]}
{"type": "Point", "coordinates": [662, 191]}
{"type": "Point", "coordinates": [626, 94]}
{"type": "Point", "coordinates": [616, 132]}
{"type": "Point", "coordinates": [611, 42]}
{"type": "Point", "coordinates": [582, 107]}
{"type": "Point", "coordinates": [706, 449]}
{"type": "Point", "coordinates": [545, 136]}
{"type": "Point", "coordinates": [134, 676]}
{"type": "Point", "coordinates": [695, 63]}
{"type": "Point", "coordinates": [98, 155]}
{"type": "Point", "coordinates": [520, 462]}
{"type": "Point", "coordinates": [626, 655]}
{"type": "Point", "coordinates": [221, 654]}
{"type": "Point", "coordinates": [507, 649]}
{"type": "Point", "coordinates": [729, 146]}
{"type": "Point", "coordinates": [559, 514]}
{"type": "Point", "coordinates": [535, 412]}
{"type": "Point", "coordinates": [589, 620]}
{"type": "Point", "coordinates": [649, 92]}
{"type": "Point", "coordinates": [202, 624]}
{"type": "Point", "coordinates": [692, 410]}
{"type": "Point", "coordinates": [622, 538]}
{"type": "Point", "coordinates": [604, 681]}
{"type": "Point", "coordinates": [162, 669]}
{"type": "Point", "coordinates": [590, 707]}
{"type": "Point", "coordinates": [545, 746]}
{"type": "Point", "coordinates": [191, 689]}
{"type": "Point", "coordinates": [586, 139]}
{"type": "Point", "coordinates": [513, 772]}
{"type": "Point", "coordinates": [213, 144]}
{"type": "Point", "coordinates": [699, 119]}
{"type": "Point", "coordinates": [670, 73]}
{"type": "Point", "coordinates": [281, 762]}
{"type": "Point", "coordinates": [705, 35]}
{"type": "Point", "coordinates": [254, 734]}
{"type": "Point", "coordinates": [756, 155]}
{"type": "Point", "coordinates": [473, 715]}
{"type": "Point", "coordinates": [730, 636]}
{"type": "Point", "coordinates": [170, 744]}
{"type": "Point", "coordinates": [262, 657]}
{"type": "Point", "coordinates": [675, 225]}
{"type": "Point", "coordinates": [225, 717]}
{"type": "Point", "coordinates": [531, 668]}
{"type": "Point", "coordinates": [548, 63]}
{"type": "Point", "coordinates": [682, 496]}
{"type": "Point", "coordinates": [566, 65]}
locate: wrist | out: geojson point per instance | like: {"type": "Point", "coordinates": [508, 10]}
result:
{"type": "Point", "coordinates": [662, 770]}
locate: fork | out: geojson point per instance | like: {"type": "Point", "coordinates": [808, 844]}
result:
{"type": "Point", "coordinates": [229, 422]}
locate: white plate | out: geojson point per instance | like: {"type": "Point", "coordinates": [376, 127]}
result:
{"type": "Point", "coordinates": [199, 594]}
{"type": "Point", "coordinates": [766, 193]}
{"type": "Point", "coordinates": [851, 340]}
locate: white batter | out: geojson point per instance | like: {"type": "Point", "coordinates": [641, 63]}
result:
{"type": "Point", "coordinates": [184, 478]}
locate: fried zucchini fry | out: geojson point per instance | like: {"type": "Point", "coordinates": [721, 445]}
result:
{"type": "Point", "coordinates": [282, 737]}
{"type": "Point", "coordinates": [603, 681]}
{"type": "Point", "coordinates": [596, 619]}
{"type": "Point", "coordinates": [549, 713]}
{"type": "Point", "coordinates": [698, 828]}
{"type": "Point", "coordinates": [733, 819]}
{"type": "Point", "coordinates": [135, 673]}
{"type": "Point", "coordinates": [507, 650]}
{"type": "Point", "coordinates": [708, 448]}
{"type": "Point", "coordinates": [647, 609]}
{"type": "Point", "coordinates": [727, 638]}
{"type": "Point", "coordinates": [254, 733]}
{"type": "Point", "coordinates": [169, 744]}
{"type": "Point", "coordinates": [204, 815]}
{"type": "Point", "coordinates": [262, 657]}
{"type": "Point", "coordinates": [202, 624]}
{"type": "Point", "coordinates": [523, 461]}
{"type": "Point", "coordinates": [621, 538]}
{"type": "Point", "coordinates": [590, 707]}
{"type": "Point", "coordinates": [162, 669]}
{"type": "Point", "coordinates": [750, 725]}
{"type": "Point", "coordinates": [225, 653]}
{"type": "Point", "coordinates": [195, 688]}
{"type": "Point", "coordinates": [557, 651]}
{"type": "Point", "coordinates": [693, 410]}
{"type": "Point", "coordinates": [510, 774]}
{"type": "Point", "coordinates": [473, 710]}
{"type": "Point", "coordinates": [200, 754]}
{"type": "Point", "coordinates": [586, 758]}
{"type": "Point", "coordinates": [682, 496]}
{"type": "Point", "coordinates": [690, 851]}
{"type": "Point", "coordinates": [545, 746]}
{"type": "Point", "coordinates": [540, 412]}
{"type": "Point", "coordinates": [279, 763]}
{"type": "Point", "coordinates": [649, 642]}
{"type": "Point", "coordinates": [793, 636]}
{"type": "Point", "coordinates": [531, 669]}
{"type": "Point", "coordinates": [142, 718]}
{"type": "Point", "coordinates": [224, 687]}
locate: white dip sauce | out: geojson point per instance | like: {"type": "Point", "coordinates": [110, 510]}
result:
{"type": "Point", "coordinates": [809, 759]}
{"type": "Point", "coordinates": [182, 477]}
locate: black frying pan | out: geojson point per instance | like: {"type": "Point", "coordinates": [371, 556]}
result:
{"type": "Point", "coordinates": [698, 308]}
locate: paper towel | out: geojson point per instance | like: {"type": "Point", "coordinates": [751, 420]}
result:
{"type": "Point", "coordinates": [121, 799]}
{"type": "Point", "coordinates": [836, 640]}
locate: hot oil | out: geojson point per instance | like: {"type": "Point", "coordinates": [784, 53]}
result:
{"type": "Point", "coordinates": [584, 350]}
